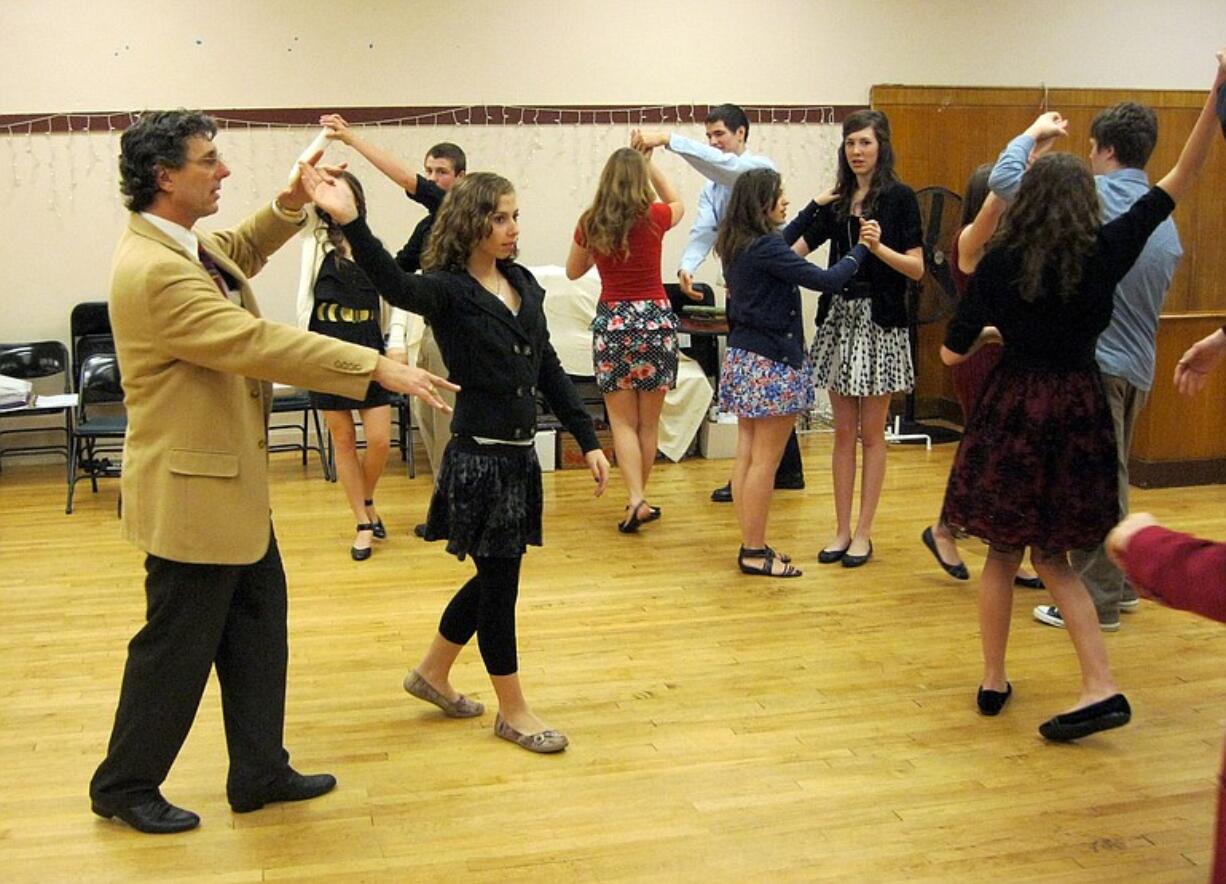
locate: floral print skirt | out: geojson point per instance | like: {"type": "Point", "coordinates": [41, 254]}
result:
{"type": "Point", "coordinates": [634, 346]}
{"type": "Point", "coordinates": [752, 385]}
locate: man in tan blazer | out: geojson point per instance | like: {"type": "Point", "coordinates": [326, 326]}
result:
{"type": "Point", "coordinates": [197, 361]}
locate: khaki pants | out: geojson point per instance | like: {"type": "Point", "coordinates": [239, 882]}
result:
{"type": "Point", "coordinates": [1107, 583]}
{"type": "Point", "coordinates": [434, 425]}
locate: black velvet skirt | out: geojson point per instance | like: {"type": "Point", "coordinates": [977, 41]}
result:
{"type": "Point", "coordinates": [1037, 464]}
{"type": "Point", "coordinates": [487, 500]}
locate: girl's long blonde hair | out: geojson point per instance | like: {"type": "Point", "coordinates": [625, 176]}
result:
{"type": "Point", "coordinates": [622, 198]}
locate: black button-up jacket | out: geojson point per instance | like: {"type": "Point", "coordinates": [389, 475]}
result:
{"type": "Point", "coordinates": [499, 359]}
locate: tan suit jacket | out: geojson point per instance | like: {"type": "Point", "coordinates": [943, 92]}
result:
{"type": "Point", "coordinates": [196, 370]}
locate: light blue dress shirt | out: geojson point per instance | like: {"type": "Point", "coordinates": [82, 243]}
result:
{"type": "Point", "coordinates": [721, 171]}
{"type": "Point", "coordinates": [1128, 347]}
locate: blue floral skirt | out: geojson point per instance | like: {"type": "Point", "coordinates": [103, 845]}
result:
{"type": "Point", "coordinates": [634, 346]}
{"type": "Point", "coordinates": [751, 385]}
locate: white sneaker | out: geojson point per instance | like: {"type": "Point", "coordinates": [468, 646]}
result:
{"type": "Point", "coordinates": [1129, 606]}
{"type": "Point", "coordinates": [1050, 615]}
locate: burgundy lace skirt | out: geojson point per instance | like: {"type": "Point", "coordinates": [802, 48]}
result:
{"type": "Point", "coordinates": [1037, 464]}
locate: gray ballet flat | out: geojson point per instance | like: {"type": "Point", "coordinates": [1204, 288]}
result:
{"type": "Point", "coordinates": [544, 742]}
{"type": "Point", "coordinates": [462, 707]}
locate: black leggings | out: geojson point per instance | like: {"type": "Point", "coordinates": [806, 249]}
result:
{"type": "Point", "coordinates": [485, 605]}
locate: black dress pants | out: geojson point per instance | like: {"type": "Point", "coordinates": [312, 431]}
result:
{"type": "Point", "coordinates": [199, 616]}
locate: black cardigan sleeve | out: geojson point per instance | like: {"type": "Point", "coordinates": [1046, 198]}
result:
{"type": "Point", "coordinates": [426, 295]}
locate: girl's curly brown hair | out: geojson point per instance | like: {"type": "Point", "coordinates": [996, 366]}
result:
{"type": "Point", "coordinates": [1053, 225]}
{"type": "Point", "coordinates": [464, 220]}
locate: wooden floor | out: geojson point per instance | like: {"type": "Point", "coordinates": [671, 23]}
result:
{"type": "Point", "coordinates": [722, 727]}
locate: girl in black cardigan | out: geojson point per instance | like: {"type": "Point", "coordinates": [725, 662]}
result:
{"type": "Point", "coordinates": [487, 316]}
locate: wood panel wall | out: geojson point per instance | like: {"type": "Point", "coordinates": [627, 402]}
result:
{"type": "Point", "coordinates": [942, 133]}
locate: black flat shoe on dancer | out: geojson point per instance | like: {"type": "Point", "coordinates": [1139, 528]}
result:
{"type": "Point", "coordinates": [958, 571]}
{"type": "Point", "coordinates": [632, 521]}
{"type": "Point", "coordinates": [361, 555]}
{"type": "Point", "coordinates": [1103, 715]}
{"type": "Point", "coordinates": [1029, 582]}
{"type": "Point", "coordinates": [991, 702]}
{"type": "Point", "coordinates": [767, 568]}
{"type": "Point", "coordinates": [830, 556]}
{"type": "Point", "coordinates": [377, 527]}
{"type": "Point", "coordinates": [850, 561]}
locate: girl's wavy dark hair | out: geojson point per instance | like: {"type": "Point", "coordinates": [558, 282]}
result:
{"type": "Point", "coordinates": [463, 220]}
{"type": "Point", "coordinates": [1053, 226]}
{"type": "Point", "coordinates": [883, 176]}
{"type": "Point", "coordinates": [748, 214]}
{"type": "Point", "coordinates": [328, 228]}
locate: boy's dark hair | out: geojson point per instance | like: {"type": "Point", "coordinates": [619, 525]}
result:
{"type": "Point", "coordinates": [445, 150]}
{"type": "Point", "coordinates": [731, 116]}
{"type": "Point", "coordinates": [1129, 128]}
{"type": "Point", "coordinates": [158, 140]}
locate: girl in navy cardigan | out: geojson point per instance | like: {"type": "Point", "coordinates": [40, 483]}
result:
{"type": "Point", "coordinates": [766, 380]}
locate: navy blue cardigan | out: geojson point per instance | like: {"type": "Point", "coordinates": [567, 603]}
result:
{"type": "Point", "coordinates": [764, 298]}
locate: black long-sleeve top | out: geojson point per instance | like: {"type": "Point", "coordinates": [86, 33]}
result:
{"type": "Point", "coordinates": [1051, 332]}
{"type": "Point", "coordinates": [498, 358]}
{"type": "Point", "coordinates": [897, 211]}
{"type": "Point", "coordinates": [430, 196]}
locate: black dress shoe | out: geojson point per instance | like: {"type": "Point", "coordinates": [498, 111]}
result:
{"type": "Point", "coordinates": [958, 571]}
{"type": "Point", "coordinates": [1029, 582]}
{"type": "Point", "coordinates": [378, 528]}
{"type": "Point", "coordinates": [850, 561]}
{"type": "Point", "coordinates": [722, 495]}
{"type": "Point", "coordinates": [295, 787]}
{"type": "Point", "coordinates": [420, 530]}
{"type": "Point", "coordinates": [1103, 715]}
{"type": "Point", "coordinates": [156, 817]}
{"type": "Point", "coordinates": [794, 482]}
{"type": "Point", "coordinates": [830, 556]}
{"type": "Point", "coordinates": [991, 702]}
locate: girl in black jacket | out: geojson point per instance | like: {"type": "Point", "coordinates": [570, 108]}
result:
{"type": "Point", "coordinates": [487, 316]}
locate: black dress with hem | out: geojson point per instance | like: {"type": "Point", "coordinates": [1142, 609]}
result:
{"type": "Point", "coordinates": [343, 283]}
{"type": "Point", "coordinates": [1037, 464]}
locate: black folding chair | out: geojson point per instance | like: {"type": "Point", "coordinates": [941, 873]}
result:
{"type": "Point", "coordinates": [38, 362]}
{"type": "Point", "coordinates": [292, 400]}
{"type": "Point", "coordinates": [100, 424]}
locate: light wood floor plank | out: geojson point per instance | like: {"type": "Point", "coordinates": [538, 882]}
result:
{"type": "Point", "coordinates": [723, 727]}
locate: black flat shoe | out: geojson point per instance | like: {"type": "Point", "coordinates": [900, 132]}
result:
{"type": "Point", "coordinates": [1030, 582]}
{"type": "Point", "coordinates": [991, 702]}
{"type": "Point", "coordinates": [295, 787]}
{"type": "Point", "coordinates": [830, 556]}
{"type": "Point", "coordinates": [1103, 715]}
{"type": "Point", "coordinates": [767, 568]}
{"type": "Point", "coordinates": [722, 495]}
{"type": "Point", "coordinates": [850, 561]}
{"type": "Point", "coordinates": [156, 817]}
{"type": "Point", "coordinates": [420, 530]}
{"type": "Point", "coordinates": [958, 571]}
{"type": "Point", "coordinates": [377, 527]}
{"type": "Point", "coordinates": [361, 555]}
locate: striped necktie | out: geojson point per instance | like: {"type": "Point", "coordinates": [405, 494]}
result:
{"type": "Point", "coordinates": [215, 272]}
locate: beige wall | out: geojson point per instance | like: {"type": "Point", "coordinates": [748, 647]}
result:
{"type": "Point", "coordinates": [58, 192]}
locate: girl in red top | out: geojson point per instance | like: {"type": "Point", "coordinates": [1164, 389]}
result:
{"type": "Point", "coordinates": [634, 334]}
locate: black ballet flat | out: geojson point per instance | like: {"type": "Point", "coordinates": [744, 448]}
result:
{"type": "Point", "coordinates": [850, 561]}
{"type": "Point", "coordinates": [830, 556]}
{"type": "Point", "coordinates": [361, 555]}
{"type": "Point", "coordinates": [958, 571]}
{"type": "Point", "coordinates": [377, 527]}
{"type": "Point", "coordinates": [991, 702]}
{"type": "Point", "coordinates": [1030, 582]}
{"type": "Point", "coordinates": [1103, 715]}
